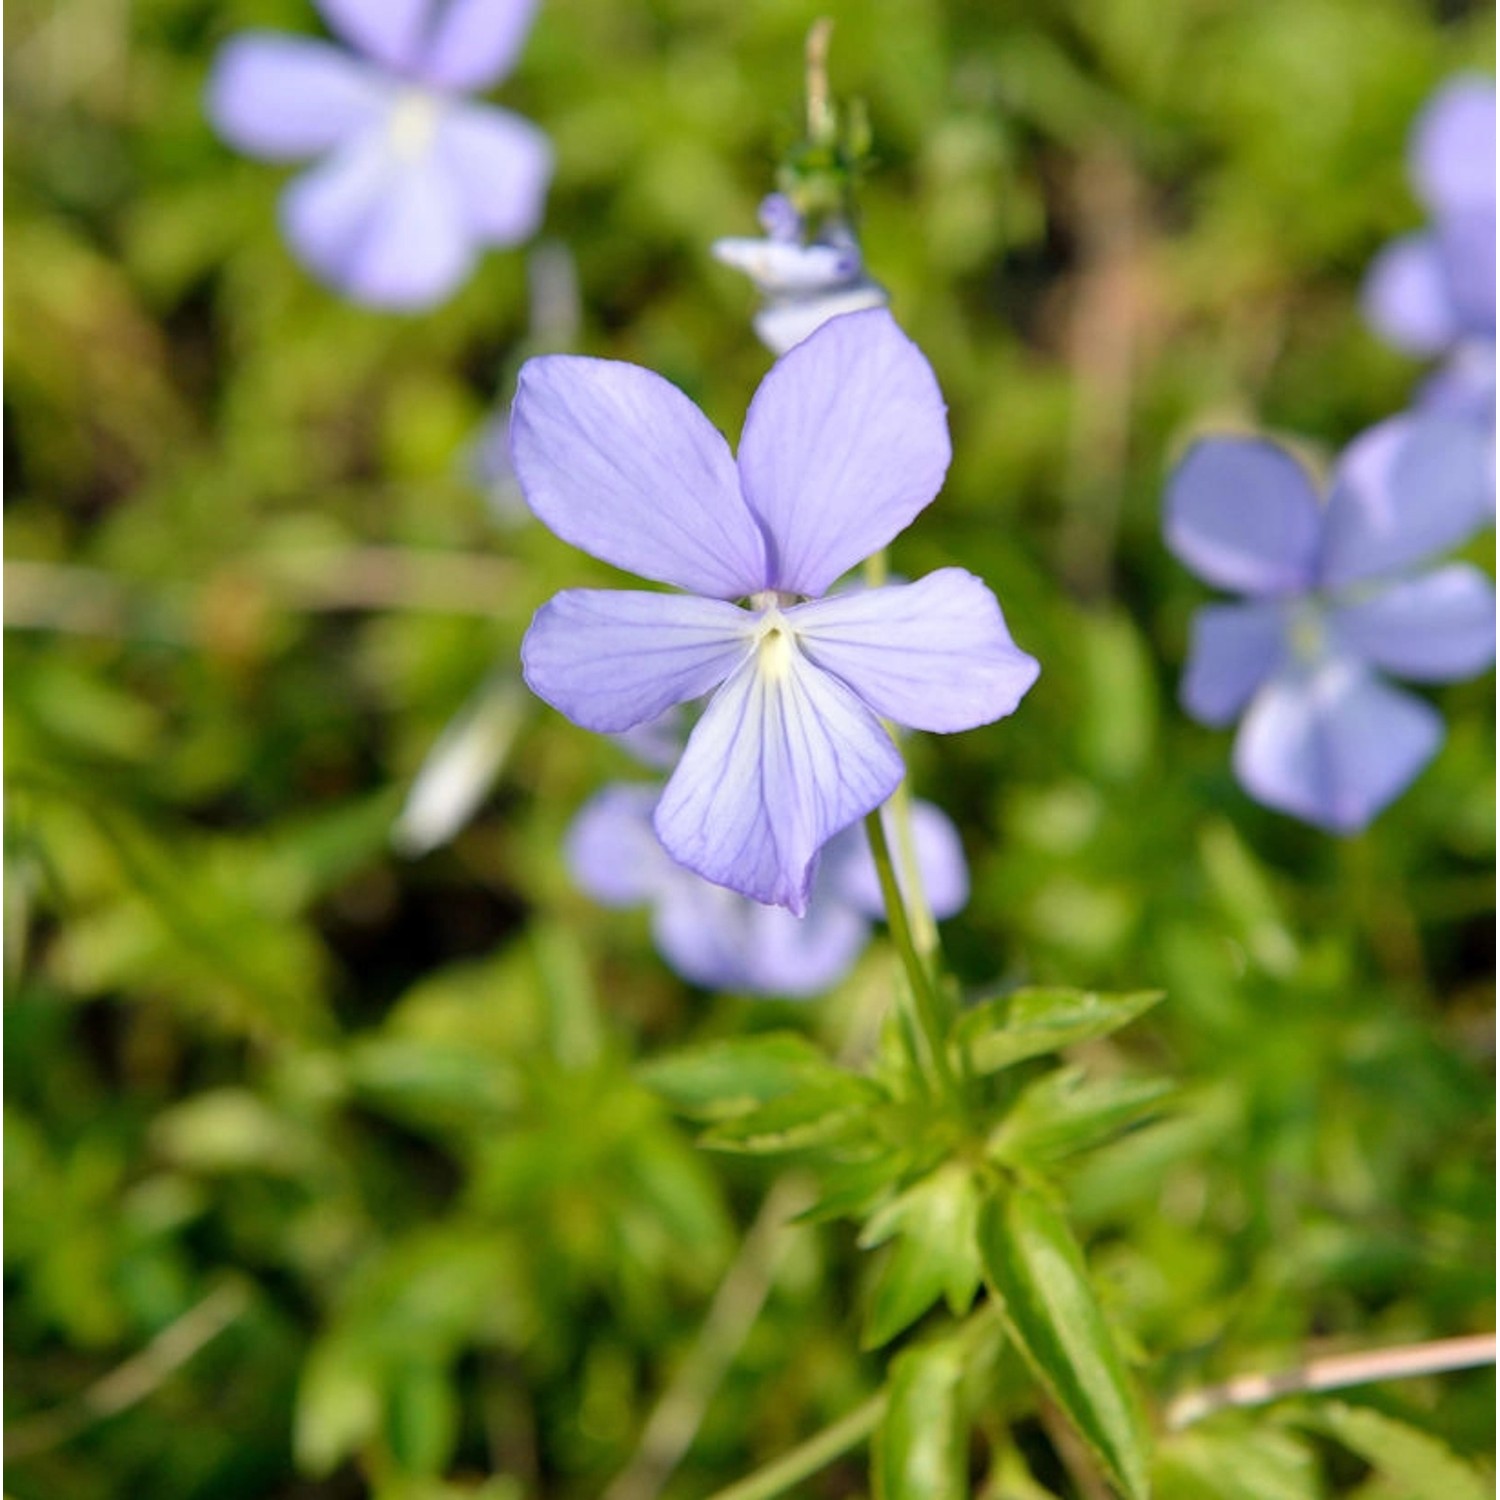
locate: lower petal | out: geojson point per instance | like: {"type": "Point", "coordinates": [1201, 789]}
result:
{"type": "Point", "coordinates": [1436, 628]}
{"type": "Point", "coordinates": [613, 658]}
{"type": "Point", "coordinates": [1234, 648]}
{"type": "Point", "coordinates": [499, 165]}
{"type": "Point", "coordinates": [1334, 745]}
{"type": "Point", "coordinates": [781, 761]}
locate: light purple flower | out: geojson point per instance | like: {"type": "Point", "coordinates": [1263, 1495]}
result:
{"type": "Point", "coordinates": [1333, 600]}
{"type": "Point", "coordinates": [725, 941]}
{"type": "Point", "coordinates": [802, 283]}
{"type": "Point", "coordinates": [413, 178]}
{"type": "Point", "coordinates": [1433, 292]}
{"type": "Point", "coordinates": [845, 442]}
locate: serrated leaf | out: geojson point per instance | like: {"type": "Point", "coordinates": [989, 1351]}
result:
{"type": "Point", "coordinates": [919, 1449]}
{"type": "Point", "coordinates": [934, 1256]}
{"type": "Point", "coordinates": [1065, 1112]}
{"type": "Point", "coordinates": [1257, 1463]}
{"type": "Point", "coordinates": [1008, 1029]}
{"type": "Point", "coordinates": [1423, 1467]}
{"type": "Point", "coordinates": [1037, 1269]}
{"type": "Point", "coordinates": [726, 1078]}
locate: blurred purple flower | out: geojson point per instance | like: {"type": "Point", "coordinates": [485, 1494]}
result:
{"type": "Point", "coordinates": [845, 442]}
{"type": "Point", "coordinates": [802, 284]}
{"type": "Point", "coordinates": [1332, 601]}
{"type": "Point", "coordinates": [725, 941]}
{"type": "Point", "coordinates": [1433, 292]}
{"type": "Point", "coordinates": [414, 178]}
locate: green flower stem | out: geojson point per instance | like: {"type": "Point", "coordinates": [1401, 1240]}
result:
{"type": "Point", "coordinates": [807, 1458]}
{"type": "Point", "coordinates": [925, 996]}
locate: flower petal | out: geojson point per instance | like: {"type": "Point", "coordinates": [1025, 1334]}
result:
{"type": "Point", "coordinates": [500, 165]}
{"type": "Point", "coordinates": [784, 322]}
{"type": "Point", "coordinates": [475, 42]}
{"type": "Point", "coordinates": [390, 31]}
{"type": "Point", "coordinates": [1468, 242]}
{"type": "Point", "coordinates": [930, 655]}
{"type": "Point", "coordinates": [776, 266]}
{"type": "Point", "coordinates": [782, 759]}
{"type": "Point", "coordinates": [611, 658]}
{"type": "Point", "coordinates": [1407, 298]}
{"type": "Point", "coordinates": [1334, 745]}
{"type": "Point", "coordinates": [1436, 628]}
{"type": "Point", "coordinates": [1241, 513]}
{"type": "Point", "coordinates": [1234, 648]}
{"type": "Point", "coordinates": [284, 98]}
{"type": "Point", "coordinates": [849, 867]}
{"type": "Point", "coordinates": [1453, 147]}
{"type": "Point", "coordinates": [1410, 487]}
{"type": "Point", "coordinates": [612, 851]}
{"type": "Point", "coordinates": [619, 462]}
{"type": "Point", "coordinates": [1464, 386]}
{"type": "Point", "coordinates": [383, 228]}
{"type": "Point", "coordinates": [725, 941]}
{"type": "Point", "coordinates": [845, 441]}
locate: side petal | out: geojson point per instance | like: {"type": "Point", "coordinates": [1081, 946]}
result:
{"type": "Point", "coordinates": [1453, 147]}
{"type": "Point", "coordinates": [1233, 649]}
{"type": "Point", "coordinates": [930, 655]}
{"type": "Point", "coordinates": [611, 659]}
{"type": "Point", "coordinates": [619, 462]}
{"type": "Point", "coordinates": [1334, 745]}
{"type": "Point", "coordinates": [1411, 487]}
{"type": "Point", "coordinates": [845, 442]}
{"type": "Point", "coordinates": [1406, 296]}
{"type": "Point", "coordinates": [1436, 628]}
{"type": "Point", "coordinates": [475, 43]}
{"type": "Point", "coordinates": [284, 98]}
{"type": "Point", "coordinates": [612, 850]}
{"type": "Point", "coordinates": [725, 941]}
{"type": "Point", "coordinates": [500, 165]}
{"type": "Point", "coordinates": [390, 31]}
{"type": "Point", "coordinates": [1242, 513]}
{"type": "Point", "coordinates": [777, 267]}
{"type": "Point", "coordinates": [849, 867]}
{"type": "Point", "coordinates": [385, 230]}
{"type": "Point", "coordinates": [780, 761]}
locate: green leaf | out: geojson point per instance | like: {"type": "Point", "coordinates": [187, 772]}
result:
{"type": "Point", "coordinates": [338, 1406]}
{"type": "Point", "coordinates": [919, 1449]}
{"type": "Point", "coordinates": [1007, 1029]}
{"type": "Point", "coordinates": [1419, 1465]}
{"type": "Point", "coordinates": [935, 1255]}
{"type": "Point", "coordinates": [1036, 1267]}
{"type": "Point", "coordinates": [830, 1109]}
{"type": "Point", "coordinates": [1064, 1113]}
{"type": "Point", "coordinates": [1258, 1462]}
{"type": "Point", "coordinates": [422, 1418]}
{"type": "Point", "coordinates": [729, 1077]}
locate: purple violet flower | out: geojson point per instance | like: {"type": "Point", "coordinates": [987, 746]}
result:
{"type": "Point", "coordinates": [802, 284]}
{"type": "Point", "coordinates": [1433, 292]}
{"type": "Point", "coordinates": [725, 941]}
{"type": "Point", "coordinates": [414, 178]}
{"type": "Point", "coordinates": [1332, 601]}
{"type": "Point", "coordinates": [845, 442]}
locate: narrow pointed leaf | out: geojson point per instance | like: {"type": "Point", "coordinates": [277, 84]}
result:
{"type": "Point", "coordinates": [730, 1077]}
{"type": "Point", "coordinates": [1065, 1112]}
{"type": "Point", "coordinates": [1032, 1022]}
{"type": "Point", "coordinates": [919, 1447]}
{"type": "Point", "coordinates": [1420, 1467]}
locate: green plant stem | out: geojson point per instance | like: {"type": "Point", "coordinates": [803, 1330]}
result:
{"type": "Point", "coordinates": [807, 1458]}
{"type": "Point", "coordinates": [925, 997]}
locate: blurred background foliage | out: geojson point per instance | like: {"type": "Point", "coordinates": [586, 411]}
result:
{"type": "Point", "coordinates": [328, 1171]}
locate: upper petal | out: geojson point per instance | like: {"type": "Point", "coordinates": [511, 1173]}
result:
{"type": "Point", "coordinates": [846, 440]}
{"type": "Point", "coordinates": [1453, 147]}
{"type": "Point", "coordinates": [1436, 628]}
{"type": "Point", "coordinates": [1407, 297]}
{"type": "Point", "coordinates": [1234, 648]}
{"type": "Point", "coordinates": [381, 226]}
{"type": "Point", "coordinates": [619, 462]}
{"type": "Point", "coordinates": [782, 759]}
{"type": "Point", "coordinates": [475, 43]}
{"type": "Point", "coordinates": [612, 850]}
{"type": "Point", "coordinates": [1241, 512]}
{"type": "Point", "coordinates": [391, 31]}
{"type": "Point", "coordinates": [849, 867]}
{"type": "Point", "coordinates": [288, 97]}
{"type": "Point", "coordinates": [1333, 745]}
{"type": "Point", "coordinates": [930, 655]}
{"type": "Point", "coordinates": [1413, 486]}
{"type": "Point", "coordinates": [500, 165]}
{"type": "Point", "coordinates": [611, 658]}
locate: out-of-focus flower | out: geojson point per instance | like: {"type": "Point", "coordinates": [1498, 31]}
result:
{"type": "Point", "coordinates": [1432, 293]}
{"type": "Point", "coordinates": [802, 282]}
{"type": "Point", "coordinates": [1334, 599]}
{"type": "Point", "coordinates": [725, 941]}
{"type": "Point", "coordinates": [414, 178]}
{"type": "Point", "coordinates": [845, 442]}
